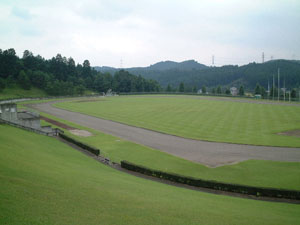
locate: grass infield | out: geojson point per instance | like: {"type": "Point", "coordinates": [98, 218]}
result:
{"type": "Point", "coordinates": [199, 118]}
{"type": "Point", "coordinates": [43, 181]}
{"type": "Point", "coordinates": [252, 172]}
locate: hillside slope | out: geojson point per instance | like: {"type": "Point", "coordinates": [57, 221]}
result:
{"type": "Point", "coordinates": [43, 181]}
{"type": "Point", "coordinates": [195, 74]}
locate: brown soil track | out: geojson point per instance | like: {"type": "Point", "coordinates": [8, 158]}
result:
{"type": "Point", "coordinates": [212, 154]}
{"type": "Point", "coordinates": [57, 123]}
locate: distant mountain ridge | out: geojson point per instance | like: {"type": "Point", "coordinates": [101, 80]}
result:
{"type": "Point", "coordinates": [193, 73]}
{"type": "Point", "coordinates": [160, 66]}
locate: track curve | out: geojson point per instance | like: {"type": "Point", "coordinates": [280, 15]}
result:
{"type": "Point", "coordinates": [212, 154]}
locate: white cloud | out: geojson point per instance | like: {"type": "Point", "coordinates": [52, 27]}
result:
{"type": "Point", "coordinates": [144, 32]}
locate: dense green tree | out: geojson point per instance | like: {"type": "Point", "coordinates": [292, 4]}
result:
{"type": "Point", "coordinates": [181, 87]}
{"type": "Point", "coordinates": [257, 89]}
{"type": "Point", "coordinates": [293, 93]}
{"type": "Point", "coordinates": [140, 83]}
{"type": "Point", "coordinates": [241, 90]}
{"type": "Point", "coordinates": [213, 91]}
{"type": "Point", "coordinates": [195, 89]}
{"type": "Point", "coordinates": [23, 80]}
{"type": "Point", "coordinates": [169, 88]}
{"type": "Point", "coordinates": [2, 84]}
{"type": "Point", "coordinates": [39, 79]}
{"type": "Point", "coordinates": [263, 91]}
{"type": "Point", "coordinates": [9, 64]}
{"type": "Point", "coordinates": [79, 89]}
{"type": "Point", "coordinates": [219, 90]}
{"type": "Point", "coordinates": [273, 92]}
{"type": "Point", "coordinates": [60, 76]}
{"type": "Point", "coordinates": [203, 89]}
{"type": "Point", "coordinates": [227, 91]}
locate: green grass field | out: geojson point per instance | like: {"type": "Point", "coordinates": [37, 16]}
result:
{"type": "Point", "coordinates": [43, 181]}
{"type": "Point", "coordinates": [199, 118]}
{"type": "Point", "coordinates": [252, 172]}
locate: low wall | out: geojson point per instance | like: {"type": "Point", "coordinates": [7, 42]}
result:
{"type": "Point", "coordinates": [243, 189]}
{"type": "Point", "coordinates": [93, 150]}
{"type": "Point", "coordinates": [39, 131]}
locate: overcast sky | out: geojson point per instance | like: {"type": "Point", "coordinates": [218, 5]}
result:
{"type": "Point", "coordinates": [141, 32]}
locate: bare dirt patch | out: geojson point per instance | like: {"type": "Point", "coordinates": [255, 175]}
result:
{"type": "Point", "coordinates": [82, 133]}
{"type": "Point", "coordinates": [56, 123]}
{"type": "Point", "coordinates": [90, 100]}
{"type": "Point", "coordinates": [295, 133]}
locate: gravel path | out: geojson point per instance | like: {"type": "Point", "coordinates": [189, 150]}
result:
{"type": "Point", "coordinates": [212, 154]}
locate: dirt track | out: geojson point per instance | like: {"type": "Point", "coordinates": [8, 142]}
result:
{"type": "Point", "coordinates": [209, 153]}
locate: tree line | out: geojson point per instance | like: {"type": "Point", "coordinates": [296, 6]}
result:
{"type": "Point", "coordinates": [62, 76]}
{"type": "Point", "coordinates": [258, 90]}
{"type": "Point", "coordinates": [246, 75]}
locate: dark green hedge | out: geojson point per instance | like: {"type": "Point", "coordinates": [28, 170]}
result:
{"type": "Point", "coordinates": [80, 144]}
{"type": "Point", "coordinates": [243, 189]}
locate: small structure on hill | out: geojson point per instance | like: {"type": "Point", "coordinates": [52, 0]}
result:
{"type": "Point", "coordinates": [110, 93]}
{"type": "Point", "coordinates": [233, 91]}
{"type": "Point", "coordinates": [24, 119]}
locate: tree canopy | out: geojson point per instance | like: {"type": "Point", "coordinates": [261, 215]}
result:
{"type": "Point", "coordinates": [61, 76]}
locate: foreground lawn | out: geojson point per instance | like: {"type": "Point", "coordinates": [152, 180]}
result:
{"type": "Point", "coordinates": [252, 172]}
{"type": "Point", "coordinates": [199, 118]}
{"type": "Point", "coordinates": [43, 181]}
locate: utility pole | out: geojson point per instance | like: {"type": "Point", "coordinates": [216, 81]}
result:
{"type": "Point", "coordinates": [213, 60]}
{"type": "Point", "coordinates": [263, 57]}
{"type": "Point", "coordinates": [273, 87]}
{"type": "Point", "coordinates": [284, 89]}
{"type": "Point", "coordinates": [268, 89]}
{"type": "Point", "coordinates": [278, 83]}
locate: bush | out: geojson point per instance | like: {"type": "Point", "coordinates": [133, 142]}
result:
{"type": "Point", "coordinates": [243, 189]}
{"type": "Point", "coordinates": [80, 144]}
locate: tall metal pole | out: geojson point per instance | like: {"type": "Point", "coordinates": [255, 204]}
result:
{"type": "Point", "coordinates": [268, 89]}
{"type": "Point", "coordinates": [278, 83]}
{"type": "Point", "coordinates": [273, 87]}
{"type": "Point", "coordinates": [284, 89]}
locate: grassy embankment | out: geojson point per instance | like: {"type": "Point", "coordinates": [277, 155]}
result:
{"type": "Point", "coordinates": [17, 92]}
{"type": "Point", "coordinates": [43, 181]}
{"type": "Point", "coordinates": [203, 119]}
{"type": "Point", "coordinates": [251, 172]}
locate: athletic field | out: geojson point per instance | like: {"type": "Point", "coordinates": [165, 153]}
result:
{"type": "Point", "coordinates": [253, 123]}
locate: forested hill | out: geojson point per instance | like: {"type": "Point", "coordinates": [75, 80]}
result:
{"type": "Point", "coordinates": [192, 74]}
{"type": "Point", "coordinates": [62, 76]}
{"type": "Point", "coordinates": [160, 66]}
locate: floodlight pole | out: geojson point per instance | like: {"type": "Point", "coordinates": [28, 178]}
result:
{"type": "Point", "coordinates": [278, 83]}
{"type": "Point", "coordinates": [274, 87]}
{"type": "Point", "coordinates": [284, 89]}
